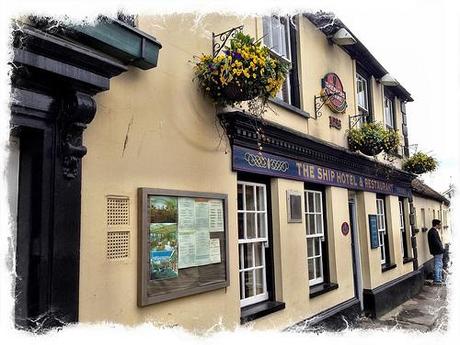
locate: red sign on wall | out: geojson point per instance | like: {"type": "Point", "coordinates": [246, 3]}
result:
{"type": "Point", "coordinates": [332, 91]}
{"type": "Point", "coordinates": [345, 228]}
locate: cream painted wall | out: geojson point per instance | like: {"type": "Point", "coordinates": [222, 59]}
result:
{"type": "Point", "coordinates": [422, 236]}
{"type": "Point", "coordinates": [319, 57]}
{"type": "Point", "coordinates": [290, 257]}
{"type": "Point", "coordinates": [372, 269]}
{"type": "Point", "coordinates": [152, 129]}
{"type": "Point", "coordinates": [155, 129]}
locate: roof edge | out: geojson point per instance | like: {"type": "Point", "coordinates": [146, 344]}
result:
{"type": "Point", "coordinates": [329, 24]}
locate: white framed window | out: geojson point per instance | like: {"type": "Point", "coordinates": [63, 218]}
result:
{"type": "Point", "coordinates": [423, 217]}
{"type": "Point", "coordinates": [362, 94]}
{"type": "Point", "coordinates": [402, 228]}
{"type": "Point", "coordinates": [252, 241]}
{"type": "Point", "coordinates": [389, 112]}
{"type": "Point", "coordinates": [277, 39]}
{"type": "Point", "coordinates": [314, 235]}
{"type": "Point", "coordinates": [381, 227]}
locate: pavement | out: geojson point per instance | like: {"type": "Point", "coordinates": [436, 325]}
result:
{"type": "Point", "coordinates": [425, 312]}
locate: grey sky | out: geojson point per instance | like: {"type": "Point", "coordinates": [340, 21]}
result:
{"type": "Point", "coordinates": [418, 43]}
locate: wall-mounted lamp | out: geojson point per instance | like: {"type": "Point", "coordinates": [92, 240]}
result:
{"type": "Point", "coordinates": [343, 38]}
{"type": "Point", "coordinates": [388, 80]}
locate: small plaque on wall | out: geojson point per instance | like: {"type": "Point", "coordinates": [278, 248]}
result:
{"type": "Point", "coordinates": [294, 206]}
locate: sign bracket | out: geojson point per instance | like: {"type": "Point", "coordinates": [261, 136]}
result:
{"type": "Point", "coordinates": [321, 100]}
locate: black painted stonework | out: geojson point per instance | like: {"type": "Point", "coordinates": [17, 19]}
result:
{"type": "Point", "coordinates": [332, 319]}
{"type": "Point", "coordinates": [428, 268]}
{"type": "Point", "coordinates": [53, 82]}
{"type": "Point", "coordinates": [384, 298]}
{"type": "Point", "coordinates": [259, 310]}
{"type": "Point", "coordinates": [321, 289]}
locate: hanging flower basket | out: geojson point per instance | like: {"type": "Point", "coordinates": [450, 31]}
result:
{"type": "Point", "coordinates": [244, 71]}
{"type": "Point", "coordinates": [372, 138]}
{"type": "Point", "coordinates": [235, 93]}
{"type": "Point", "coordinates": [420, 163]}
{"type": "Point", "coordinates": [371, 150]}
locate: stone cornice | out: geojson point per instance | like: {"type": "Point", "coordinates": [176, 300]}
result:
{"type": "Point", "coordinates": [246, 131]}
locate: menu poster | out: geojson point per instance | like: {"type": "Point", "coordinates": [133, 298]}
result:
{"type": "Point", "coordinates": [186, 213]}
{"type": "Point", "coordinates": [214, 251]}
{"type": "Point", "coordinates": [216, 216]}
{"type": "Point", "coordinates": [202, 214]}
{"type": "Point", "coordinates": [187, 245]}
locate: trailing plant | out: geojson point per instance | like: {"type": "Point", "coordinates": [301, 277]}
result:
{"type": "Point", "coordinates": [355, 139]}
{"type": "Point", "coordinates": [242, 72]}
{"type": "Point", "coordinates": [420, 163]}
{"type": "Point", "coordinates": [391, 141]}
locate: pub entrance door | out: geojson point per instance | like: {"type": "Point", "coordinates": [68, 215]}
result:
{"type": "Point", "coordinates": [357, 273]}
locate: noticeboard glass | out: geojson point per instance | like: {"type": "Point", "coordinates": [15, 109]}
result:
{"type": "Point", "coordinates": [182, 244]}
{"type": "Point", "coordinates": [373, 230]}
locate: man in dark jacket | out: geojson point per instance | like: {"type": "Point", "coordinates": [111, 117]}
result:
{"type": "Point", "coordinates": [437, 250]}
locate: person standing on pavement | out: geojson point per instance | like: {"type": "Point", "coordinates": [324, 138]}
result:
{"type": "Point", "coordinates": [437, 250]}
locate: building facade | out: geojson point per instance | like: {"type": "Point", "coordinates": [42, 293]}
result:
{"type": "Point", "coordinates": [295, 225]}
{"type": "Point", "coordinates": [429, 205]}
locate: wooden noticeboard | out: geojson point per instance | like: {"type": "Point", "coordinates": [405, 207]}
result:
{"type": "Point", "coordinates": [373, 231]}
{"type": "Point", "coordinates": [182, 247]}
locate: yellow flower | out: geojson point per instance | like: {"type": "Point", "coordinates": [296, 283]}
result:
{"type": "Point", "coordinates": [254, 75]}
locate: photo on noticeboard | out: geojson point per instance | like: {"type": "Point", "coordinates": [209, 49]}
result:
{"type": "Point", "coordinates": [163, 209]}
{"type": "Point", "coordinates": [163, 237]}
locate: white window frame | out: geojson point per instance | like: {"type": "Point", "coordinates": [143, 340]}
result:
{"type": "Point", "coordinates": [317, 236]}
{"type": "Point", "coordinates": [423, 217]}
{"type": "Point", "coordinates": [362, 80]}
{"type": "Point", "coordinates": [402, 227]}
{"type": "Point", "coordinates": [284, 53]}
{"type": "Point", "coordinates": [381, 228]}
{"type": "Point", "coordinates": [388, 111]}
{"type": "Point", "coordinates": [250, 243]}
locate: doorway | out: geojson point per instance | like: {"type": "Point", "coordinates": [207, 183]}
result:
{"type": "Point", "coordinates": [356, 255]}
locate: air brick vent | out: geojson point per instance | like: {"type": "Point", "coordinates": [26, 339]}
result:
{"type": "Point", "coordinates": [117, 245]}
{"type": "Point", "coordinates": [117, 211]}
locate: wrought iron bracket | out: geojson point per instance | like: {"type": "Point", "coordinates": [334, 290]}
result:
{"type": "Point", "coordinates": [354, 119]}
{"type": "Point", "coordinates": [219, 40]}
{"type": "Point", "coordinates": [320, 101]}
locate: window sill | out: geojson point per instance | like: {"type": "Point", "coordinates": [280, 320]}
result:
{"type": "Point", "coordinates": [322, 288]}
{"type": "Point", "coordinates": [290, 107]}
{"type": "Point", "coordinates": [407, 260]}
{"type": "Point", "coordinates": [259, 310]}
{"type": "Point", "coordinates": [388, 267]}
